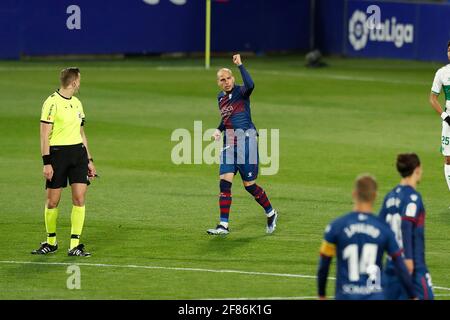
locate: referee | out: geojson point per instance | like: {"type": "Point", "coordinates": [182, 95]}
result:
{"type": "Point", "coordinates": [66, 156]}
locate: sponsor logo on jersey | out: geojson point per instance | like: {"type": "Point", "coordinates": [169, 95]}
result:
{"type": "Point", "coordinates": [226, 111]}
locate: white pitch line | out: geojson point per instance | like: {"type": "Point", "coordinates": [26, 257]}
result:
{"type": "Point", "coordinates": [338, 77]}
{"type": "Point", "coordinates": [441, 288]}
{"type": "Point", "coordinates": [131, 266]}
{"type": "Point", "coordinates": [198, 68]}
{"type": "Point", "coordinates": [179, 68]}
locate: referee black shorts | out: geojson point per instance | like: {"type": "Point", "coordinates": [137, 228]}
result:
{"type": "Point", "coordinates": [69, 163]}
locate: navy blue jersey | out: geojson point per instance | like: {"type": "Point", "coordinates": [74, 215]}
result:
{"type": "Point", "coordinates": [234, 106]}
{"type": "Point", "coordinates": [404, 211]}
{"type": "Point", "coordinates": [360, 240]}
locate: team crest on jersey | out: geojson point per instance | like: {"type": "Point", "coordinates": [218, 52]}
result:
{"type": "Point", "coordinates": [230, 96]}
{"type": "Point", "coordinates": [414, 197]}
{"type": "Point", "coordinates": [362, 217]}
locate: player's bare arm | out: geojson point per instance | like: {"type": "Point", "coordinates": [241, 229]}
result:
{"type": "Point", "coordinates": [92, 172]}
{"type": "Point", "coordinates": [409, 265]}
{"type": "Point", "coordinates": [434, 101]}
{"type": "Point", "coordinates": [45, 130]}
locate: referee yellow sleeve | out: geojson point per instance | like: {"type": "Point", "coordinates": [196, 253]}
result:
{"type": "Point", "coordinates": [82, 111]}
{"type": "Point", "coordinates": [48, 111]}
{"type": "Point", "coordinates": [328, 249]}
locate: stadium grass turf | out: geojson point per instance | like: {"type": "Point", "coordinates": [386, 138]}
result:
{"type": "Point", "coordinates": [335, 123]}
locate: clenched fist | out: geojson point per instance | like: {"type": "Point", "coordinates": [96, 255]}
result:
{"type": "Point", "coordinates": [237, 59]}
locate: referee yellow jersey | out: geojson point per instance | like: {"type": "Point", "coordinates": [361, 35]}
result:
{"type": "Point", "coordinates": [67, 116]}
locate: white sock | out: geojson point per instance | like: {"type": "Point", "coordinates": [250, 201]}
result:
{"type": "Point", "coordinates": [224, 224]}
{"type": "Point", "coordinates": [447, 174]}
{"type": "Point", "coordinates": [271, 213]}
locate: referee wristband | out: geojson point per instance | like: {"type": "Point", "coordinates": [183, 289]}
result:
{"type": "Point", "coordinates": [46, 159]}
{"type": "Point", "coordinates": [444, 115]}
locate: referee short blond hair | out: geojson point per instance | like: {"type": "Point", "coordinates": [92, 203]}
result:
{"type": "Point", "coordinates": [68, 75]}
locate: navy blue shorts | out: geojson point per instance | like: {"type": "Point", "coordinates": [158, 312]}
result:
{"type": "Point", "coordinates": [241, 157]}
{"type": "Point", "coordinates": [394, 290]}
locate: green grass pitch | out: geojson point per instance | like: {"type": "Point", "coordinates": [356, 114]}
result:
{"type": "Point", "coordinates": [334, 123]}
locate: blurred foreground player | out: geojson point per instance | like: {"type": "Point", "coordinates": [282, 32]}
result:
{"type": "Point", "coordinates": [404, 211]}
{"type": "Point", "coordinates": [359, 240]}
{"type": "Point", "coordinates": [66, 156]}
{"type": "Point", "coordinates": [240, 147]}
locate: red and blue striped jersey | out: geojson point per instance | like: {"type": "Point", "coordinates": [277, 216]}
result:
{"type": "Point", "coordinates": [234, 106]}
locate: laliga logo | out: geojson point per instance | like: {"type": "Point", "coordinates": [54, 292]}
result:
{"type": "Point", "coordinates": [358, 30]}
{"type": "Point", "coordinates": [362, 28]}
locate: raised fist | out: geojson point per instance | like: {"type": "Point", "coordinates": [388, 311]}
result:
{"type": "Point", "coordinates": [237, 59]}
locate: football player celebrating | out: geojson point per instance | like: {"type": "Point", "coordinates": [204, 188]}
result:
{"type": "Point", "coordinates": [240, 152]}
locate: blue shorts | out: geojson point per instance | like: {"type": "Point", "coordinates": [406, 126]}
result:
{"type": "Point", "coordinates": [242, 157]}
{"type": "Point", "coordinates": [394, 290]}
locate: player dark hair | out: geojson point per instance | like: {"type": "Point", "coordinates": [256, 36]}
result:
{"type": "Point", "coordinates": [68, 75]}
{"type": "Point", "coordinates": [407, 163]}
{"type": "Point", "coordinates": [366, 188]}
{"type": "Point", "coordinates": [448, 44]}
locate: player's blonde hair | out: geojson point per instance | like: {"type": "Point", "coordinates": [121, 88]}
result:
{"type": "Point", "coordinates": [222, 70]}
{"type": "Point", "coordinates": [365, 188]}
